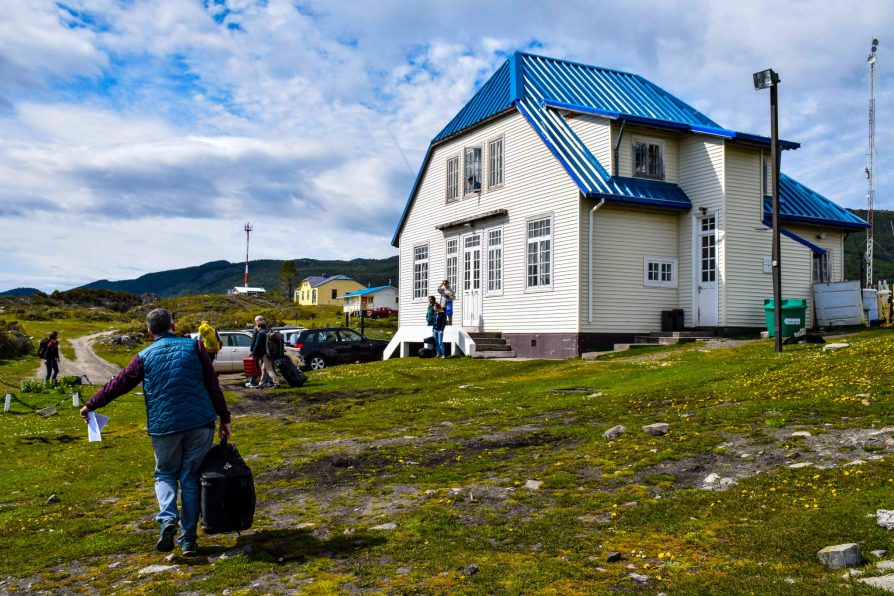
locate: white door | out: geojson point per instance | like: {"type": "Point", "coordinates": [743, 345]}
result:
{"type": "Point", "coordinates": [471, 303]}
{"type": "Point", "coordinates": [706, 270]}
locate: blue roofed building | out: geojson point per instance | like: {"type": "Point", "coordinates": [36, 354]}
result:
{"type": "Point", "coordinates": [570, 205]}
{"type": "Point", "coordinates": [371, 299]}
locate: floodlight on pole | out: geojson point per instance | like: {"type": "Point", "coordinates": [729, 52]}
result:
{"type": "Point", "coordinates": [762, 80]}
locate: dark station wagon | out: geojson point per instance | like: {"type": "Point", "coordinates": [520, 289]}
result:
{"type": "Point", "coordinates": [337, 345]}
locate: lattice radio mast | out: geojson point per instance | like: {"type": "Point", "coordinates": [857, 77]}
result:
{"type": "Point", "coordinates": [870, 175]}
{"type": "Point", "coordinates": [248, 230]}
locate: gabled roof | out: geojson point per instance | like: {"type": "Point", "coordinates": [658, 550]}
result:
{"type": "Point", "coordinates": [319, 280]}
{"type": "Point", "coordinates": [544, 89]}
{"type": "Point", "coordinates": [366, 291]}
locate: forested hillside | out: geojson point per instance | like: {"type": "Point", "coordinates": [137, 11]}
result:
{"type": "Point", "coordinates": [218, 276]}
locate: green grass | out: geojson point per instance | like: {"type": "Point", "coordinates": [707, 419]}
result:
{"type": "Point", "coordinates": [390, 441]}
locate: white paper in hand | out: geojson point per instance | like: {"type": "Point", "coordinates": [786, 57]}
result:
{"type": "Point", "coordinates": [95, 424]}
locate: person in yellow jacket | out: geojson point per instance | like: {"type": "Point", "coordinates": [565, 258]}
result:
{"type": "Point", "coordinates": [210, 339]}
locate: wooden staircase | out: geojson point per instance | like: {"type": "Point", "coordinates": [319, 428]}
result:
{"type": "Point", "coordinates": [491, 345]}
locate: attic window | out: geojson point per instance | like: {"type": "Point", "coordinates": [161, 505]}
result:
{"type": "Point", "coordinates": [453, 178]}
{"type": "Point", "coordinates": [648, 159]}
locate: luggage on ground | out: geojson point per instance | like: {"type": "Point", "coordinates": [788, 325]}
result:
{"type": "Point", "coordinates": [426, 352]}
{"type": "Point", "coordinates": [288, 371]}
{"type": "Point", "coordinates": [276, 345]}
{"type": "Point", "coordinates": [250, 367]}
{"type": "Point", "coordinates": [228, 491]}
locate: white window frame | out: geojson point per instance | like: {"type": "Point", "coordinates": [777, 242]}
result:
{"type": "Point", "coordinates": [420, 265]}
{"type": "Point", "coordinates": [636, 140]}
{"type": "Point", "coordinates": [825, 261]}
{"type": "Point", "coordinates": [544, 287]}
{"type": "Point", "coordinates": [492, 168]}
{"type": "Point", "coordinates": [454, 182]}
{"type": "Point", "coordinates": [451, 260]}
{"type": "Point", "coordinates": [474, 191]}
{"type": "Point", "coordinates": [660, 264]}
{"type": "Point", "coordinates": [494, 286]}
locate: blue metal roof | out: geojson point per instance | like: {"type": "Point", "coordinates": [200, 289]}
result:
{"type": "Point", "coordinates": [799, 203]}
{"type": "Point", "coordinates": [541, 88]}
{"type": "Point", "coordinates": [365, 291]}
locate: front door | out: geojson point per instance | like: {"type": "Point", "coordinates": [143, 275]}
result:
{"type": "Point", "coordinates": [706, 268]}
{"type": "Point", "coordinates": [471, 303]}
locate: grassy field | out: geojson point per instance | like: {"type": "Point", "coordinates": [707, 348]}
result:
{"type": "Point", "coordinates": [495, 476]}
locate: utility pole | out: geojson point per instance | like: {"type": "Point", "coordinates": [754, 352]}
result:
{"type": "Point", "coordinates": [870, 167]}
{"type": "Point", "coordinates": [248, 230]}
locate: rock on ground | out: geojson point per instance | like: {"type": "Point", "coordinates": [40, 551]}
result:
{"type": "Point", "coordinates": [157, 569]}
{"type": "Point", "coordinates": [840, 556]}
{"type": "Point", "coordinates": [658, 429]}
{"type": "Point", "coordinates": [885, 518]}
{"type": "Point", "coordinates": [614, 432]}
{"type": "Point", "coordinates": [884, 582]}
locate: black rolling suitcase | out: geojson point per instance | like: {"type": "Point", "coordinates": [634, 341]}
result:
{"type": "Point", "coordinates": [228, 491]}
{"type": "Point", "coordinates": [428, 348]}
{"type": "Point", "coordinates": [288, 371]}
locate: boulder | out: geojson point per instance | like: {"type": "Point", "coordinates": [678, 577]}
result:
{"type": "Point", "coordinates": [840, 556]}
{"type": "Point", "coordinates": [885, 518]}
{"type": "Point", "coordinates": [884, 582]}
{"type": "Point", "coordinates": [614, 432]}
{"type": "Point", "coordinates": [658, 429]}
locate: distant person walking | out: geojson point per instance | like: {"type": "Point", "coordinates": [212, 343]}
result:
{"type": "Point", "coordinates": [430, 313]}
{"type": "Point", "coordinates": [259, 353]}
{"type": "Point", "coordinates": [210, 339]}
{"type": "Point", "coordinates": [438, 330]}
{"type": "Point", "coordinates": [48, 349]}
{"type": "Point", "coordinates": [183, 401]}
{"type": "Point", "coordinates": [446, 299]}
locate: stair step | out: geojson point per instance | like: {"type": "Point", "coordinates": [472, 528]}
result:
{"type": "Point", "coordinates": [476, 335]}
{"type": "Point", "coordinates": [493, 354]}
{"type": "Point", "coordinates": [684, 334]}
{"type": "Point", "coordinates": [487, 342]}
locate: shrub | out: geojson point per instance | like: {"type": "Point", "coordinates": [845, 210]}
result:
{"type": "Point", "coordinates": [13, 341]}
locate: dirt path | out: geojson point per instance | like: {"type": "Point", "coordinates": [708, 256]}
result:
{"type": "Point", "coordinates": [86, 362]}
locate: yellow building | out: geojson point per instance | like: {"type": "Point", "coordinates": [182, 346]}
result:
{"type": "Point", "coordinates": [320, 289]}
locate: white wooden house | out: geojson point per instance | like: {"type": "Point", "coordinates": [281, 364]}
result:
{"type": "Point", "coordinates": [371, 298]}
{"type": "Point", "coordinates": [571, 204]}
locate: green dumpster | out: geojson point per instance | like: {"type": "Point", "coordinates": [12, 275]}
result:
{"type": "Point", "coordinates": [794, 316]}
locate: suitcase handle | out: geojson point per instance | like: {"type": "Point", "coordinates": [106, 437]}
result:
{"type": "Point", "coordinates": [223, 441]}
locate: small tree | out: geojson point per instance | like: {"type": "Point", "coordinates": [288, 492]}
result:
{"type": "Point", "coordinates": [288, 279]}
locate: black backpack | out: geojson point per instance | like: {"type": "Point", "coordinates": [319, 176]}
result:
{"type": "Point", "coordinates": [275, 345]}
{"type": "Point", "coordinates": [228, 491]}
{"type": "Point", "coordinates": [42, 348]}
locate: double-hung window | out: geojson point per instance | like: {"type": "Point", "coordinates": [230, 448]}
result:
{"type": "Point", "coordinates": [648, 159]}
{"type": "Point", "coordinates": [495, 163]}
{"type": "Point", "coordinates": [453, 178]}
{"type": "Point", "coordinates": [821, 271]}
{"type": "Point", "coordinates": [420, 271]}
{"type": "Point", "coordinates": [452, 251]}
{"type": "Point", "coordinates": [472, 171]}
{"type": "Point", "coordinates": [660, 272]}
{"type": "Point", "coordinates": [539, 253]}
{"type": "Point", "coordinates": [495, 261]}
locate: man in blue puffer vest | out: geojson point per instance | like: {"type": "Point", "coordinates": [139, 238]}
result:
{"type": "Point", "coordinates": [183, 401]}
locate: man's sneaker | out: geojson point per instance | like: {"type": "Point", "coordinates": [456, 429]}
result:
{"type": "Point", "coordinates": [165, 542]}
{"type": "Point", "coordinates": [252, 385]}
{"type": "Point", "coordinates": [189, 548]}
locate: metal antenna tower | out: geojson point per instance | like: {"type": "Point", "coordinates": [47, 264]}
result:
{"type": "Point", "coordinates": [870, 176]}
{"type": "Point", "coordinates": [248, 230]}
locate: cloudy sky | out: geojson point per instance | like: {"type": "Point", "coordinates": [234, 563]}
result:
{"type": "Point", "coordinates": [141, 135]}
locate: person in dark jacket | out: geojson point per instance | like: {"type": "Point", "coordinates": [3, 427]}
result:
{"type": "Point", "coordinates": [430, 313]}
{"type": "Point", "coordinates": [183, 402]}
{"type": "Point", "coordinates": [438, 329]}
{"type": "Point", "coordinates": [51, 356]}
{"type": "Point", "coordinates": [259, 353]}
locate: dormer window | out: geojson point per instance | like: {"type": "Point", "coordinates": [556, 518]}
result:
{"type": "Point", "coordinates": [648, 159]}
{"type": "Point", "coordinates": [472, 171]}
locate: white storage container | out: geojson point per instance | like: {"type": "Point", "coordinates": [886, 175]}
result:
{"type": "Point", "coordinates": [870, 305]}
{"type": "Point", "coordinates": [838, 304]}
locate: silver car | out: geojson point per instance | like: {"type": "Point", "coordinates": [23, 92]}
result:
{"type": "Point", "coordinates": [236, 347]}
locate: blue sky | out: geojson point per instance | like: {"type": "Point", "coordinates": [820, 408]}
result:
{"type": "Point", "coordinates": [140, 136]}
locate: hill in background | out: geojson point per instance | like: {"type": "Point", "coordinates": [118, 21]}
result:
{"type": "Point", "coordinates": [217, 277]}
{"type": "Point", "coordinates": [855, 248]}
{"type": "Point", "coordinates": [21, 292]}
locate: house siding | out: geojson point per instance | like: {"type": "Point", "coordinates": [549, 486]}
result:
{"type": "Point", "coordinates": [535, 185]}
{"type": "Point", "coordinates": [702, 179]}
{"type": "Point", "coordinates": [596, 133]}
{"type": "Point", "coordinates": [622, 238]}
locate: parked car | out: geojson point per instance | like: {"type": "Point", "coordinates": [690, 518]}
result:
{"type": "Point", "coordinates": [237, 346]}
{"type": "Point", "coordinates": [381, 312]}
{"type": "Point", "coordinates": [337, 345]}
{"type": "Point", "coordinates": [290, 334]}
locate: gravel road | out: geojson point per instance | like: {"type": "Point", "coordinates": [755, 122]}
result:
{"type": "Point", "coordinates": [86, 362]}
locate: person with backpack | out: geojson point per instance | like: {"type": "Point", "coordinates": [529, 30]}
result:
{"type": "Point", "coordinates": [438, 330]}
{"type": "Point", "coordinates": [48, 350]}
{"type": "Point", "coordinates": [183, 402]}
{"type": "Point", "coordinates": [430, 313]}
{"type": "Point", "coordinates": [210, 339]}
{"type": "Point", "coordinates": [259, 353]}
